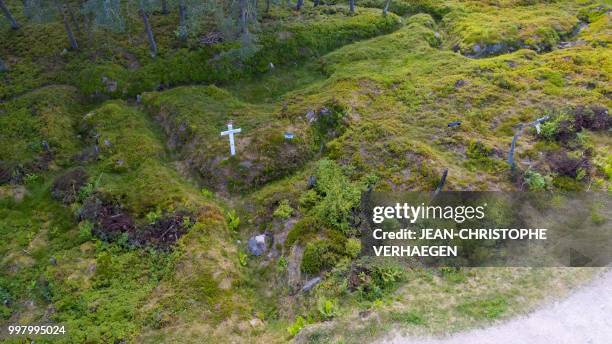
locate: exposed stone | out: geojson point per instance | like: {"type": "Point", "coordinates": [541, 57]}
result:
{"type": "Point", "coordinates": [312, 182]}
{"type": "Point", "coordinates": [294, 274]}
{"type": "Point", "coordinates": [111, 85]}
{"type": "Point", "coordinates": [255, 322]}
{"type": "Point", "coordinates": [257, 245]}
{"type": "Point", "coordinates": [311, 284]}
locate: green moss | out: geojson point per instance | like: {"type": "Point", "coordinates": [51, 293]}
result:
{"type": "Point", "coordinates": [46, 115]}
{"type": "Point", "coordinates": [476, 29]}
{"type": "Point", "coordinates": [319, 255]}
{"type": "Point", "coordinates": [303, 230]}
{"type": "Point", "coordinates": [132, 166]}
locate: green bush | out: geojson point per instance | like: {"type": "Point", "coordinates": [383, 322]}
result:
{"type": "Point", "coordinates": [319, 255]}
{"type": "Point", "coordinates": [284, 210]}
{"type": "Point", "coordinates": [340, 196]}
{"type": "Point", "coordinates": [297, 326]}
{"type": "Point", "coordinates": [309, 199]}
{"type": "Point", "coordinates": [305, 227]}
{"type": "Point", "coordinates": [233, 221]}
{"type": "Point", "coordinates": [328, 308]}
{"type": "Point", "coordinates": [353, 247]}
{"type": "Point", "coordinates": [534, 180]}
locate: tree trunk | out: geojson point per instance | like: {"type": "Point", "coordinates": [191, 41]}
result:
{"type": "Point", "coordinates": [386, 8]}
{"type": "Point", "coordinates": [352, 6]}
{"type": "Point", "coordinates": [316, 3]}
{"type": "Point", "coordinates": [442, 182]}
{"type": "Point", "coordinates": [183, 20]}
{"type": "Point", "coordinates": [61, 8]}
{"type": "Point", "coordinates": [299, 5]}
{"type": "Point", "coordinates": [244, 25]}
{"type": "Point", "coordinates": [3, 67]}
{"type": "Point", "coordinates": [149, 32]}
{"type": "Point", "coordinates": [9, 16]}
{"type": "Point", "coordinates": [73, 18]}
{"type": "Point", "coordinates": [268, 6]}
{"type": "Point", "coordinates": [165, 7]}
{"type": "Point", "coordinates": [513, 146]}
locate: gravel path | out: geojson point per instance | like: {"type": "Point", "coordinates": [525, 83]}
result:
{"type": "Point", "coordinates": [583, 317]}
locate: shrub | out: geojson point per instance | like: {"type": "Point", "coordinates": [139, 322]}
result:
{"type": "Point", "coordinates": [353, 247]}
{"type": "Point", "coordinates": [284, 210]}
{"type": "Point", "coordinates": [328, 308]}
{"type": "Point", "coordinates": [297, 326]}
{"type": "Point", "coordinates": [319, 255]}
{"type": "Point", "coordinates": [340, 196]}
{"type": "Point", "coordinates": [534, 180]}
{"type": "Point", "coordinates": [309, 199]}
{"type": "Point", "coordinates": [153, 216]}
{"type": "Point", "coordinates": [85, 228]}
{"type": "Point", "coordinates": [300, 231]}
{"type": "Point", "coordinates": [282, 264]}
{"type": "Point", "coordinates": [233, 221]}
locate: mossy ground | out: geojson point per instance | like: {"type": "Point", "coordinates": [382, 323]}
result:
{"type": "Point", "coordinates": [390, 87]}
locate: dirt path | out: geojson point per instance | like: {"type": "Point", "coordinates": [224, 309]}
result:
{"type": "Point", "coordinates": [583, 317]}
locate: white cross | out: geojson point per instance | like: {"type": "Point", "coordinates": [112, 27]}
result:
{"type": "Point", "coordinates": [231, 131]}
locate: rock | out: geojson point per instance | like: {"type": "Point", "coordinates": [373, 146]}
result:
{"type": "Point", "coordinates": [107, 142]}
{"type": "Point", "coordinates": [459, 83]}
{"type": "Point", "coordinates": [311, 284]}
{"type": "Point", "coordinates": [257, 245]}
{"type": "Point", "coordinates": [312, 182]}
{"type": "Point", "coordinates": [310, 116]}
{"type": "Point", "coordinates": [255, 322]}
{"type": "Point", "coordinates": [294, 275]}
{"type": "Point", "coordinates": [53, 261]}
{"type": "Point", "coordinates": [454, 124]}
{"type": "Point", "coordinates": [111, 85]}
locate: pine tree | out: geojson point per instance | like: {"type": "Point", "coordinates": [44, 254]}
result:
{"type": "Point", "coordinates": [106, 14]}
{"type": "Point", "coordinates": [9, 15]}
{"type": "Point", "coordinates": [50, 10]}
{"type": "Point", "coordinates": [144, 7]}
{"type": "Point", "coordinates": [165, 10]}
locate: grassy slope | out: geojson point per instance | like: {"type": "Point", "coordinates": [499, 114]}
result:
{"type": "Point", "coordinates": [399, 91]}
